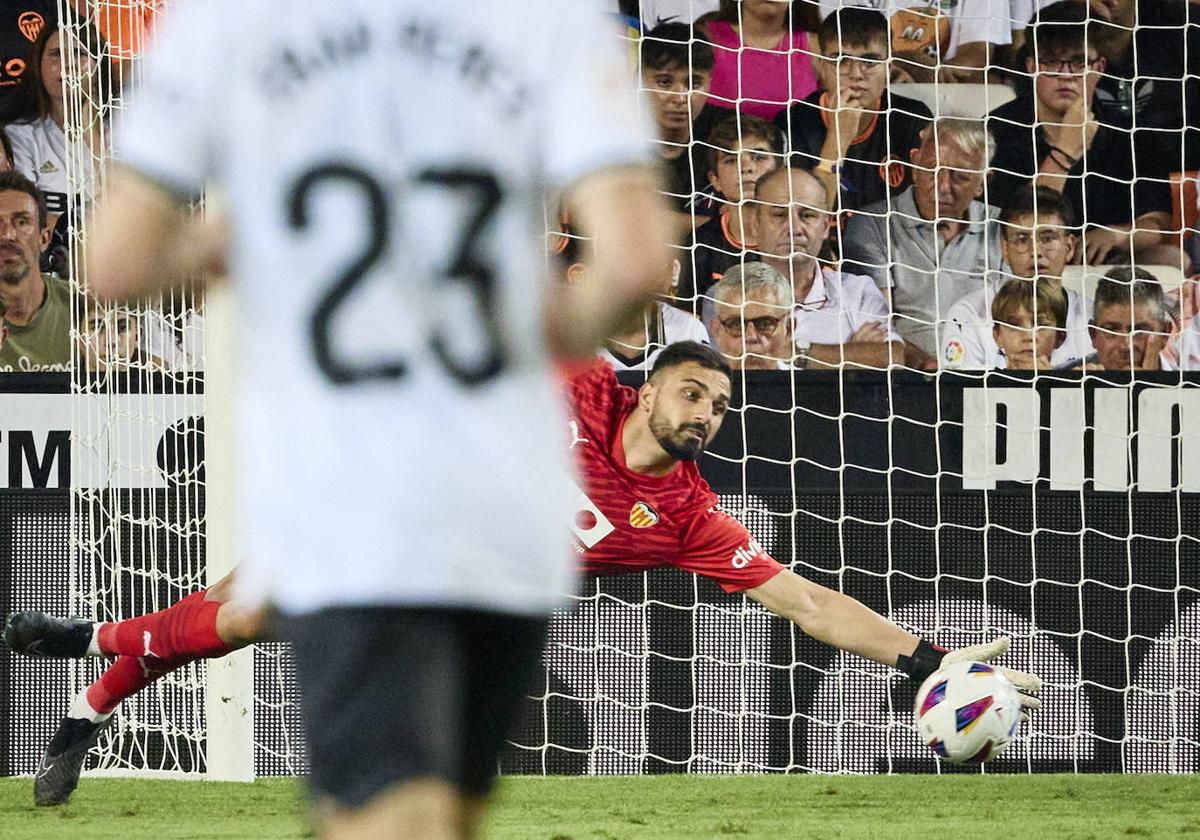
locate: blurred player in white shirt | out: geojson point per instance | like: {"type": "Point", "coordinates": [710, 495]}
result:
{"type": "Point", "coordinates": [383, 165]}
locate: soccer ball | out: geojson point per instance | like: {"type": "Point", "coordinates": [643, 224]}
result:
{"type": "Point", "coordinates": [967, 712]}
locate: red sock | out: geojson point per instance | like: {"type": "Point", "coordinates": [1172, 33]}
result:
{"type": "Point", "coordinates": [124, 678]}
{"type": "Point", "coordinates": [182, 632]}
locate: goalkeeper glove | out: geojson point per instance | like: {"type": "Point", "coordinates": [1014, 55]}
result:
{"type": "Point", "coordinates": [928, 658]}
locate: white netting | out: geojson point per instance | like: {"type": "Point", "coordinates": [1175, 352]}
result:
{"type": "Point", "coordinates": [1059, 508]}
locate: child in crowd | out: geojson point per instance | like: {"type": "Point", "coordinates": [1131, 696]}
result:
{"type": "Point", "coordinates": [1030, 320]}
{"type": "Point", "coordinates": [740, 150]}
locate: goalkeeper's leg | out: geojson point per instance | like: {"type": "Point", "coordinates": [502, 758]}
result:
{"type": "Point", "coordinates": [204, 625]}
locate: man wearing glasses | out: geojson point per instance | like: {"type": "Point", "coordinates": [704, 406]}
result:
{"type": "Point", "coordinates": [1037, 241]}
{"type": "Point", "coordinates": [840, 318]}
{"type": "Point", "coordinates": [752, 326]}
{"type": "Point", "coordinates": [853, 133]}
{"type": "Point", "coordinates": [1056, 137]}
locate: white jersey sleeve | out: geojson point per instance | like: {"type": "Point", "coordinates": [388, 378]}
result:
{"type": "Point", "coordinates": [170, 131]}
{"type": "Point", "coordinates": [593, 119]}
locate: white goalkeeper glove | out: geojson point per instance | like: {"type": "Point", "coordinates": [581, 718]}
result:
{"type": "Point", "coordinates": [928, 658]}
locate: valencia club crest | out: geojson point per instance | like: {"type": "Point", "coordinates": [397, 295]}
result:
{"type": "Point", "coordinates": [642, 515]}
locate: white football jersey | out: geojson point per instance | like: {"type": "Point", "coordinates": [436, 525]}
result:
{"type": "Point", "coordinates": [383, 163]}
{"type": "Point", "coordinates": [39, 152]}
{"type": "Point", "coordinates": [968, 342]}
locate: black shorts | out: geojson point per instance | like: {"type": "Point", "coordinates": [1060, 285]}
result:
{"type": "Point", "coordinates": [392, 694]}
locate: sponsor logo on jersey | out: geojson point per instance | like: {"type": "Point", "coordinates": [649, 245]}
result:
{"type": "Point", "coordinates": [48, 167]}
{"type": "Point", "coordinates": [31, 25]}
{"type": "Point", "coordinates": [746, 554]}
{"type": "Point", "coordinates": [953, 352]}
{"type": "Point", "coordinates": [641, 515]}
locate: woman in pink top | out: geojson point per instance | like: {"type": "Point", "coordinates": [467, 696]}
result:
{"type": "Point", "coordinates": [755, 40]}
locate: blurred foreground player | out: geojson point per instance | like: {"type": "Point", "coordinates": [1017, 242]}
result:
{"type": "Point", "coordinates": [383, 165]}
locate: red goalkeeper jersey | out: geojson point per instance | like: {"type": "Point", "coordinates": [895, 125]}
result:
{"type": "Point", "coordinates": [627, 522]}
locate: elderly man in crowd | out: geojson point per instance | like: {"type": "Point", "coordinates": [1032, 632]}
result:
{"type": "Point", "coordinates": [752, 321]}
{"type": "Point", "coordinates": [841, 318]}
{"type": "Point", "coordinates": [937, 243]}
{"type": "Point", "coordinates": [35, 308]}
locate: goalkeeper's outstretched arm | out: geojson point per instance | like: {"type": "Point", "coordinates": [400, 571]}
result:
{"type": "Point", "coordinates": [849, 625]}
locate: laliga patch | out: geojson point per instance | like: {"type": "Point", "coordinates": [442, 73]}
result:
{"type": "Point", "coordinates": [641, 515]}
{"type": "Point", "coordinates": [954, 352]}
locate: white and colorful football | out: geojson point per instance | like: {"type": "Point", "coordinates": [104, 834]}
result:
{"type": "Point", "coordinates": [967, 712]}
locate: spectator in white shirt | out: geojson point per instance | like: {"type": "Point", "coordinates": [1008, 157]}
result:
{"type": "Point", "coordinates": [840, 318]}
{"type": "Point", "coordinates": [752, 323]}
{"type": "Point", "coordinates": [1038, 240]}
{"type": "Point", "coordinates": [37, 113]}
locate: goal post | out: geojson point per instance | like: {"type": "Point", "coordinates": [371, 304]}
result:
{"type": "Point", "coordinates": [229, 693]}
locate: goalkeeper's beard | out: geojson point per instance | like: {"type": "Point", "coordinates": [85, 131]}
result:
{"type": "Point", "coordinates": [678, 442]}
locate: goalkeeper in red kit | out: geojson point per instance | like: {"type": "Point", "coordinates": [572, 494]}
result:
{"type": "Point", "coordinates": [649, 507]}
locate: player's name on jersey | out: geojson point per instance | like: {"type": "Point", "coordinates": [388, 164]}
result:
{"type": "Point", "coordinates": [430, 45]}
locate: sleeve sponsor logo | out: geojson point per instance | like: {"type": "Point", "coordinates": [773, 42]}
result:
{"type": "Point", "coordinates": [746, 554]}
{"type": "Point", "coordinates": [575, 436]}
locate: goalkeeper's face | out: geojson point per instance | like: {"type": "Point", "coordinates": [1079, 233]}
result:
{"type": "Point", "coordinates": [687, 406]}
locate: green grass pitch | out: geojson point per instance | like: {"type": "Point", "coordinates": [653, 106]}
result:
{"type": "Point", "coordinates": [659, 808]}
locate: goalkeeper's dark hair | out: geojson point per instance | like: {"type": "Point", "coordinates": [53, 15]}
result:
{"type": "Point", "coordinates": [682, 352]}
{"type": "Point", "coordinates": [1062, 28]}
{"type": "Point", "coordinates": [1037, 203]}
{"type": "Point", "coordinates": [673, 46]}
{"type": "Point", "coordinates": [854, 27]}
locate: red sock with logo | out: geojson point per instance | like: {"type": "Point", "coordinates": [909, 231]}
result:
{"type": "Point", "coordinates": [182, 632]}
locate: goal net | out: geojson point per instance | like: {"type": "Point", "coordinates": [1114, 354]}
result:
{"type": "Point", "coordinates": [1057, 506]}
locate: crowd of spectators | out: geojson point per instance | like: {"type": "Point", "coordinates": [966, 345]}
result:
{"type": "Point", "coordinates": [809, 145]}
{"type": "Point", "coordinates": [45, 323]}
{"type": "Point", "coordinates": [970, 184]}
